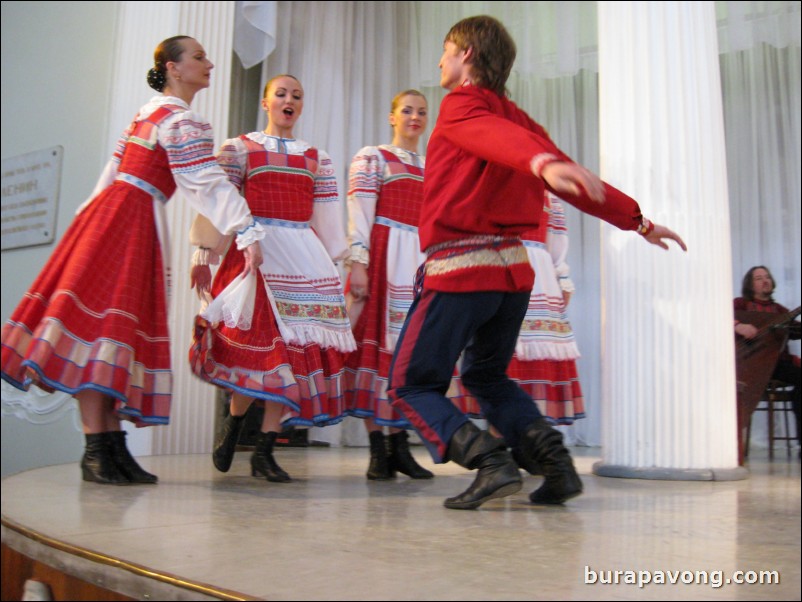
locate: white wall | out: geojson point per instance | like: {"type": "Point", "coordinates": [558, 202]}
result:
{"type": "Point", "coordinates": [56, 73]}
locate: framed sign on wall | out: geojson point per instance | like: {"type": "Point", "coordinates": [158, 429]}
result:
{"type": "Point", "coordinates": [30, 198]}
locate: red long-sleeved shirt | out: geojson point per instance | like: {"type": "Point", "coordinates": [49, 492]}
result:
{"type": "Point", "coordinates": [478, 175]}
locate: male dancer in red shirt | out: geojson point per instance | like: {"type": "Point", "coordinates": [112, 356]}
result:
{"type": "Point", "coordinates": [487, 167]}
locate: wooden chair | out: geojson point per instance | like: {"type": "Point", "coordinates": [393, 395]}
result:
{"type": "Point", "coordinates": [776, 398]}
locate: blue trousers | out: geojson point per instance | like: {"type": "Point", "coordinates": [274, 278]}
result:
{"type": "Point", "coordinates": [483, 327]}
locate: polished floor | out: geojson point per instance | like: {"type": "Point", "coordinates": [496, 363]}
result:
{"type": "Point", "coordinates": [333, 535]}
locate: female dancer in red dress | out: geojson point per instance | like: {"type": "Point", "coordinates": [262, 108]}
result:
{"type": "Point", "coordinates": [94, 323]}
{"type": "Point", "coordinates": [291, 358]}
{"type": "Point", "coordinates": [384, 201]}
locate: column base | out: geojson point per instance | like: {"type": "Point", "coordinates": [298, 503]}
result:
{"type": "Point", "coordinates": [737, 473]}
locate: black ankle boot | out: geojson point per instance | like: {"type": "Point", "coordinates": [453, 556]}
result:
{"type": "Point", "coordinates": [543, 445]}
{"type": "Point", "coordinates": [498, 474]}
{"type": "Point", "coordinates": [125, 461]}
{"type": "Point", "coordinates": [401, 459]}
{"type": "Point", "coordinates": [97, 464]}
{"type": "Point", "coordinates": [379, 467]}
{"type": "Point", "coordinates": [225, 444]}
{"type": "Point", "coordinates": [262, 461]}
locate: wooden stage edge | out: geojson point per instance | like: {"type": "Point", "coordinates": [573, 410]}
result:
{"type": "Point", "coordinates": [75, 573]}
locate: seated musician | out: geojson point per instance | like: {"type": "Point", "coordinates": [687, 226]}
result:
{"type": "Point", "coordinates": [757, 295]}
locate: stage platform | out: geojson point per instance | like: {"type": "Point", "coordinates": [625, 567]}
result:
{"type": "Point", "coordinates": [333, 535]}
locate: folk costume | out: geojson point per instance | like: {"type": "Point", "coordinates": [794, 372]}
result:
{"type": "Point", "coordinates": [544, 364]}
{"type": "Point", "coordinates": [295, 348]}
{"type": "Point", "coordinates": [480, 197]}
{"type": "Point", "coordinates": [96, 316]}
{"type": "Point", "coordinates": [384, 200]}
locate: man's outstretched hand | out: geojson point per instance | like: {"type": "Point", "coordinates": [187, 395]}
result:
{"type": "Point", "coordinates": [659, 233]}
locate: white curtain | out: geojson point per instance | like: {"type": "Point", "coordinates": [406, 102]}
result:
{"type": "Point", "coordinates": [762, 123]}
{"type": "Point", "coordinates": [352, 57]}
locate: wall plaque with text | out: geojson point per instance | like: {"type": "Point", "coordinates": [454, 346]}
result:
{"type": "Point", "coordinates": [30, 198]}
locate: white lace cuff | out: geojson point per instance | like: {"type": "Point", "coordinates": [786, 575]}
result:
{"type": "Point", "coordinates": [250, 235]}
{"type": "Point", "coordinates": [566, 284]}
{"type": "Point", "coordinates": [204, 256]}
{"type": "Point", "coordinates": [359, 254]}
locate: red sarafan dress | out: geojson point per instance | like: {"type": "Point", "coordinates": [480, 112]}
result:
{"type": "Point", "coordinates": [385, 197]}
{"type": "Point", "coordinates": [295, 349]}
{"type": "Point", "coordinates": [96, 316]}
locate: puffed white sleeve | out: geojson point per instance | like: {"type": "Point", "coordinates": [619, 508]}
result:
{"type": "Point", "coordinates": [364, 187]}
{"type": "Point", "coordinates": [327, 212]}
{"type": "Point", "coordinates": [232, 157]}
{"type": "Point", "coordinates": [557, 244]}
{"type": "Point", "coordinates": [187, 137]}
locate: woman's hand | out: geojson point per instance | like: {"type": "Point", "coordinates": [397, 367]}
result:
{"type": "Point", "coordinates": [359, 281]}
{"type": "Point", "coordinates": [253, 258]}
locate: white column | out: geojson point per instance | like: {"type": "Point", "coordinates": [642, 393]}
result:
{"type": "Point", "coordinates": [142, 25]}
{"type": "Point", "coordinates": [194, 407]}
{"type": "Point", "coordinates": [668, 367]}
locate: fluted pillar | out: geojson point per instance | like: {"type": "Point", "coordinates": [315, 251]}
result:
{"type": "Point", "coordinates": [142, 25]}
{"type": "Point", "coordinates": [194, 407]}
{"type": "Point", "coordinates": [668, 373]}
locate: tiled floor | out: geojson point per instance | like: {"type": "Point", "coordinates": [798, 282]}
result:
{"type": "Point", "coordinates": [333, 535]}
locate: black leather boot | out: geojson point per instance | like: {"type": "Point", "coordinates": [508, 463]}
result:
{"type": "Point", "coordinates": [543, 445]}
{"type": "Point", "coordinates": [97, 464]}
{"type": "Point", "coordinates": [262, 461]}
{"type": "Point", "coordinates": [379, 467]}
{"type": "Point", "coordinates": [498, 474]}
{"type": "Point", "coordinates": [225, 444]}
{"type": "Point", "coordinates": [125, 461]}
{"type": "Point", "coordinates": [401, 459]}
{"type": "Point", "coordinates": [528, 465]}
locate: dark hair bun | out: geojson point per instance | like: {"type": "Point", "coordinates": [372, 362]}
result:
{"type": "Point", "coordinates": [156, 79]}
